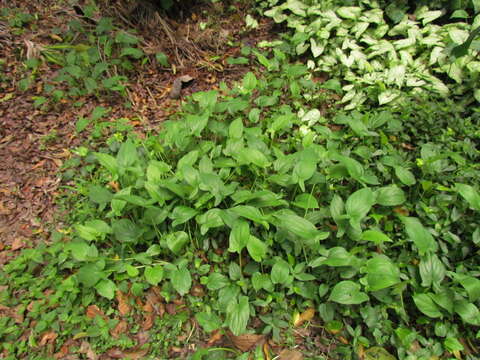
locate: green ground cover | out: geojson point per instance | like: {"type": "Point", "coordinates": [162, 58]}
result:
{"type": "Point", "coordinates": [273, 198]}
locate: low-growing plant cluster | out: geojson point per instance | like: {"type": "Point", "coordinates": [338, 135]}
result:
{"type": "Point", "coordinates": [266, 199]}
{"type": "Point", "coordinates": [380, 51]}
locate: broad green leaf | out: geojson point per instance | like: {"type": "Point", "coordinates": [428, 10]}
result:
{"type": "Point", "coordinates": [235, 130]}
{"type": "Point", "coordinates": [181, 214]}
{"type": "Point", "coordinates": [133, 52]}
{"type": "Point", "coordinates": [390, 196]}
{"type": "Point", "coordinates": [262, 281]}
{"type": "Point", "coordinates": [238, 314]}
{"type": "Point", "coordinates": [79, 249]}
{"type": "Point", "coordinates": [359, 204]}
{"type": "Point", "coordinates": [426, 305]}
{"type": "Point", "coordinates": [127, 155]}
{"type": "Point", "coordinates": [93, 230]}
{"type": "Point", "coordinates": [106, 288]}
{"type": "Point", "coordinates": [239, 236]}
{"type": "Point", "coordinates": [338, 256]}
{"type": "Point", "coordinates": [176, 241]}
{"type": "Point", "coordinates": [249, 82]}
{"type": "Point", "coordinates": [156, 170]}
{"type": "Point", "coordinates": [348, 293]}
{"type": "Point", "coordinates": [211, 219]}
{"type": "Point", "coordinates": [444, 298]}
{"type": "Point", "coordinates": [432, 271]}
{"type": "Point", "coordinates": [469, 194]}
{"type": "Point", "coordinates": [89, 274]}
{"type": "Point", "coordinates": [375, 236]}
{"type": "Point", "coordinates": [252, 156]}
{"type": "Point", "coordinates": [354, 168]}
{"type": "Point", "coordinates": [257, 249]}
{"type": "Point", "coordinates": [472, 286]}
{"type": "Point", "coordinates": [280, 272]}
{"type": "Point", "coordinates": [405, 176]}
{"type": "Point", "coordinates": [468, 312]}
{"type": "Point", "coordinates": [306, 201]}
{"type": "Point", "coordinates": [216, 281]}
{"type": "Point", "coordinates": [126, 231]}
{"type": "Point", "coordinates": [99, 194]}
{"type": "Point", "coordinates": [421, 237]}
{"type": "Point", "coordinates": [108, 162]}
{"type": "Point", "coordinates": [296, 224]}
{"type": "Point", "coordinates": [154, 274]}
{"type": "Point", "coordinates": [306, 166]}
{"type": "Point", "coordinates": [251, 213]}
{"type": "Point", "coordinates": [208, 321]}
{"type": "Point", "coordinates": [181, 280]}
{"type": "Point", "coordinates": [132, 271]}
{"type": "Point", "coordinates": [381, 273]}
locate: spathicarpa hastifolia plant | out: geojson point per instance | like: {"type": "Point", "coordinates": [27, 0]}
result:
{"type": "Point", "coordinates": [331, 212]}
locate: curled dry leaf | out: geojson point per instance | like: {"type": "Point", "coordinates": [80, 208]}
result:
{"type": "Point", "coordinates": [197, 290]}
{"type": "Point", "coordinates": [123, 305]}
{"type": "Point", "coordinates": [148, 321]}
{"type": "Point", "coordinates": [177, 86]}
{"type": "Point", "coordinates": [86, 348]}
{"type": "Point", "coordinates": [119, 329]}
{"type": "Point", "coordinates": [134, 354]}
{"type": "Point", "coordinates": [246, 342]}
{"type": "Point", "coordinates": [215, 337]}
{"type": "Point", "coordinates": [17, 244]}
{"type": "Point", "coordinates": [290, 355]}
{"type": "Point", "coordinates": [307, 315]}
{"type": "Point", "coordinates": [94, 310]}
{"type": "Point", "coordinates": [48, 338]}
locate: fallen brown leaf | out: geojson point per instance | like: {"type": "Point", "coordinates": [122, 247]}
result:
{"type": "Point", "coordinates": [123, 305]}
{"type": "Point", "coordinates": [94, 310]}
{"type": "Point", "coordinates": [307, 315]}
{"type": "Point", "coordinates": [86, 348]}
{"type": "Point", "coordinates": [290, 355]}
{"type": "Point", "coordinates": [197, 290]}
{"type": "Point", "coordinates": [48, 338]}
{"type": "Point", "coordinates": [214, 338]}
{"type": "Point", "coordinates": [119, 329]}
{"type": "Point", "coordinates": [246, 342]}
{"type": "Point", "coordinates": [133, 354]}
{"type": "Point", "coordinates": [17, 244]}
{"type": "Point", "coordinates": [148, 321]}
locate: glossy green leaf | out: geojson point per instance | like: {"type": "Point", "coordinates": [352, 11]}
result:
{"type": "Point", "coordinates": [280, 272]}
{"type": "Point", "coordinates": [375, 236]}
{"type": "Point", "coordinates": [257, 249]}
{"type": "Point", "coordinates": [381, 273]}
{"type": "Point", "coordinates": [181, 280]}
{"type": "Point", "coordinates": [468, 312]}
{"type": "Point", "coordinates": [106, 288]}
{"type": "Point", "coordinates": [421, 237]}
{"type": "Point", "coordinates": [348, 293]}
{"type": "Point", "coordinates": [390, 196]}
{"type": "Point", "coordinates": [296, 224]}
{"type": "Point", "coordinates": [239, 236]}
{"type": "Point", "coordinates": [432, 271]}
{"type": "Point", "coordinates": [426, 305]}
{"type": "Point", "coordinates": [470, 194]}
{"type": "Point", "coordinates": [405, 176]}
{"type": "Point", "coordinates": [238, 314]}
{"type": "Point", "coordinates": [154, 274]}
{"type": "Point", "coordinates": [359, 203]}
